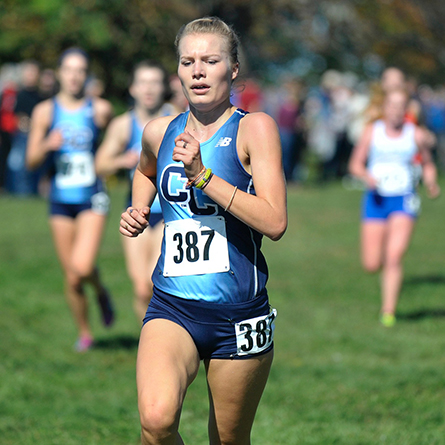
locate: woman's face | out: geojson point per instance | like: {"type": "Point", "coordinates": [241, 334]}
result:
{"type": "Point", "coordinates": [148, 88]}
{"type": "Point", "coordinates": [72, 73]}
{"type": "Point", "coordinates": [394, 107]}
{"type": "Point", "coordinates": [205, 70]}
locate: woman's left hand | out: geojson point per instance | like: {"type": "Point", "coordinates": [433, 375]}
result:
{"type": "Point", "coordinates": [188, 151]}
{"type": "Point", "coordinates": [433, 190]}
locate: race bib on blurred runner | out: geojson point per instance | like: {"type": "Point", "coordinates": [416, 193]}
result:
{"type": "Point", "coordinates": [196, 246]}
{"type": "Point", "coordinates": [256, 334]}
{"type": "Point", "coordinates": [392, 179]}
{"type": "Point", "coordinates": [75, 170]}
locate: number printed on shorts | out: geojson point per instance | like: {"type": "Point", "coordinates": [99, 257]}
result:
{"type": "Point", "coordinates": [256, 334]}
{"type": "Point", "coordinates": [196, 246]}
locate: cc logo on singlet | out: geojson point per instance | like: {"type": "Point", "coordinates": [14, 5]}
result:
{"type": "Point", "coordinates": [78, 137]}
{"type": "Point", "coordinates": [173, 190]}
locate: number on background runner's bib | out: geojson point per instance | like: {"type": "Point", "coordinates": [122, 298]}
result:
{"type": "Point", "coordinates": [256, 334]}
{"type": "Point", "coordinates": [196, 246]}
{"type": "Point", "coordinates": [393, 179]}
{"type": "Point", "coordinates": [75, 170]}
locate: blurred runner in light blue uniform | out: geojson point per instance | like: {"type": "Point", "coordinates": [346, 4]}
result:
{"type": "Point", "coordinates": [383, 159]}
{"type": "Point", "coordinates": [65, 129]}
{"type": "Point", "coordinates": [219, 176]}
{"type": "Point", "coordinates": [121, 150]}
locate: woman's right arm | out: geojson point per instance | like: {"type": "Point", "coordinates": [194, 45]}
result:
{"type": "Point", "coordinates": [135, 219]}
{"type": "Point", "coordinates": [111, 156]}
{"type": "Point", "coordinates": [39, 143]}
{"type": "Point", "coordinates": [359, 156]}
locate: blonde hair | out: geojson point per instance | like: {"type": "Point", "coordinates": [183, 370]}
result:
{"type": "Point", "coordinates": [211, 25]}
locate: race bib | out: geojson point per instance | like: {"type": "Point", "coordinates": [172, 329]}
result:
{"type": "Point", "coordinates": [392, 179]}
{"type": "Point", "coordinates": [75, 170]}
{"type": "Point", "coordinates": [256, 334]}
{"type": "Point", "coordinates": [196, 246]}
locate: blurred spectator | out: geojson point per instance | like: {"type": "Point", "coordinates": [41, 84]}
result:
{"type": "Point", "coordinates": [47, 83]}
{"type": "Point", "coordinates": [250, 97]}
{"type": "Point", "coordinates": [291, 126]}
{"type": "Point", "coordinates": [321, 130]}
{"type": "Point", "coordinates": [433, 110]}
{"type": "Point", "coordinates": [94, 87]}
{"type": "Point", "coordinates": [8, 123]}
{"type": "Point", "coordinates": [19, 180]}
{"type": "Point", "coordinates": [178, 100]}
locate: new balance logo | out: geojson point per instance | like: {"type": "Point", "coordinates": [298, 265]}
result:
{"type": "Point", "coordinates": [223, 142]}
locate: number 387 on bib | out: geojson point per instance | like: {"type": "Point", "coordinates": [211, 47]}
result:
{"type": "Point", "coordinates": [196, 246]}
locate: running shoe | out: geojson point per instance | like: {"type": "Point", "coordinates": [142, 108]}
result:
{"type": "Point", "coordinates": [83, 344]}
{"type": "Point", "coordinates": [106, 308]}
{"type": "Point", "coordinates": [388, 320]}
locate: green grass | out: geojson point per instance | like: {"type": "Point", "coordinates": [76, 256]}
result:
{"type": "Point", "coordinates": [338, 376]}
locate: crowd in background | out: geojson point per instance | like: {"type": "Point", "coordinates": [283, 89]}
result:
{"type": "Point", "coordinates": [319, 125]}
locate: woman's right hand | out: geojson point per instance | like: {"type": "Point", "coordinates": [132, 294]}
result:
{"type": "Point", "coordinates": [54, 140]}
{"type": "Point", "coordinates": [134, 221]}
{"type": "Point", "coordinates": [370, 182]}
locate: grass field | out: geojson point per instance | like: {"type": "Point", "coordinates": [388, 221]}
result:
{"type": "Point", "coordinates": [338, 376]}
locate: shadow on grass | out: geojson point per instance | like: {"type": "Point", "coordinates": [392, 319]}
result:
{"type": "Point", "coordinates": [432, 279]}
{"type": "Point", "coordinates": [120, 342]}
{"type": "Point", "coordinates": [421, 314]}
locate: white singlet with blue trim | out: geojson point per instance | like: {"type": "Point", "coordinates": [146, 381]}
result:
{"type": "Point", "coordinates": [390, 160]}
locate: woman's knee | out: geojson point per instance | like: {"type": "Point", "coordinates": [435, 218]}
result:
{"type": "Point", "coordinates": [159, 419]}
{"type": "Point", "coordinates": [371, 265]}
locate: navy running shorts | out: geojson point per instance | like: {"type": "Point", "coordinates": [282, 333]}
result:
{"type": "Point", "coordinates": [375, 206]}
{"type": "Point", "coordinates": [220, 331]}
{"type": "Point", "coordinates": [99, 203]}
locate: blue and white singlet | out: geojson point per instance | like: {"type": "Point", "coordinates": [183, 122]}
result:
{"type": "Point", "coordinates": [135, 144]}
{"type": "Point", "coordinates": [207, 253]}
{"type": "Point", "coordinates": [390, 160]}
{"type": "Point", "coordinates": [75, 180]}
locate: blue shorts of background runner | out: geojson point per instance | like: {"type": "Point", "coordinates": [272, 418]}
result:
{"type": "Point", "coordinates": [375, 206]}
{"type": "Point", "coordinates": [99, 203]}
{"type": "Point", "coordinates": [211, 325]}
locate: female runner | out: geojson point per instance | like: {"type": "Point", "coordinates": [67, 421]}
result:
{"type": "Point", "coordinates": [383, 159]}
{"type": "Point", "coordinates": [121, 149]}
{"type": "Point", "coordinates": [66, 128]}
{"type": "Point", "coordinates": [219, 177]}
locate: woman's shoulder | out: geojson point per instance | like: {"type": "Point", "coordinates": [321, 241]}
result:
{"type": "Point", "coordinates": [256, 124]}
{"type": "Point", "coordinates": [102, 106]}
{"type": "Point", "coordinates": [155, 130]}
{"type": "Point", "coordinates": [43, 112]}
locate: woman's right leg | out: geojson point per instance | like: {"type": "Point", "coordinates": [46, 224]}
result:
{"type": "Point", "coordinates": [400, 229]}
{"type": "Point", "coordinates": [372, 242]}
{"type": "Point", "coordinates": [63, 231]}
{"type": "Point", "coordinates": [167, 363]}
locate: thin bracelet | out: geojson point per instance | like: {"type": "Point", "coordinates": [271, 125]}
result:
{"type": "Point", "coordinates": [231, 199]}
{"type": "Point", "coordinates": [191, 182]}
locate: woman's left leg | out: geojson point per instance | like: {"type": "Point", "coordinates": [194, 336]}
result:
{"type": "Point", "coordinates": [399, 231]}
{"type": "Point", "coordinates": [89, 230]}
{"type": "Point", "coordinates": [235, 389]}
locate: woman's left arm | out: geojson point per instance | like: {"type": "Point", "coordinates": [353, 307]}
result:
{"type": "Point", "coordinates": [259, 141]}
{"type": "Point", "coordinates": [103, 112]}
{"type": "Point", "coordinates": [429, 171]}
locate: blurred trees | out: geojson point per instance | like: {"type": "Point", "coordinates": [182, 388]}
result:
{"type": "Point", "coordinates": [302, 36]}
